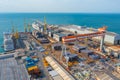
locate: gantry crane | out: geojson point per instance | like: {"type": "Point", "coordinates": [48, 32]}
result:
{"type": "Point", "coordinates": [101, 32]}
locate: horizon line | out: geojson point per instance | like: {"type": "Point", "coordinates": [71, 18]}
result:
{"type": "Point", "coordinates": [69, 12]}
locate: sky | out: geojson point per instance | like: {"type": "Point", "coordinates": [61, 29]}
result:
{"type": "Point", "coordinates": [74, 6]}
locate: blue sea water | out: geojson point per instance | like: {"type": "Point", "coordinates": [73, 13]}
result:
{"type": "Point", "coordinates": [91, 20]}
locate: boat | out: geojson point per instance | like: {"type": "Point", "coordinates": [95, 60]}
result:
{"type": "Point", "coordinates": [37, 25]}
{"type": "Point", "coordinates": [8, 41]}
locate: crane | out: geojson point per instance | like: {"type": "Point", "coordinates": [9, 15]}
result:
{"type": "Point", "coordinates": [101, 32]}
{"type": "Point", "coordinates": [29, 28]}
{"type": "Point", "coordinates": [45, 24]}
{"type": "Point", "coordinates": [16, 34]}
{"type": "Point", "coordinates": [25, 27]}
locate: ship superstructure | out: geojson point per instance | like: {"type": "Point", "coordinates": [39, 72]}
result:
{"type": "Point", "coordinates": [8, 42]}
{"type": "Point", "coordinates": [37, 25]}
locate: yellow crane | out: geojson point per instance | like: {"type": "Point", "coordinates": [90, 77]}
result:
{"type": "Point", "coordinates": [45, 24]}
{"type": "Point", "coordinates": [16, 35]}
{"type": "Point", "coordinates": [45, 63]}
{"type": "Point", "coordinates": [29, 28]}
{"type": "Point", "coordinates": [25, 28]}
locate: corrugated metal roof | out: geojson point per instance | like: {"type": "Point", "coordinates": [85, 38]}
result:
{"type": "Point", "coordinates": [86, 51]}
{"type": "Point", "coordinates": [111, 33]}
{"type": "Point", "coordinates": [10, 70]}
{"type": "Point", "coordinates": [57, 67]}
{"type": "Point", "coordinates": [86, 30]}
{"type": "Point", "coordinates": [57, 77]}
{"type": "Point", "coordinates": [114, 48]}
{"type": "Point", "coordinates": [60, 34]}
{"type": "Point", "coordinates": [53, 73]}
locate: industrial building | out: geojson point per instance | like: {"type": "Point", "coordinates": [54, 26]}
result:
{"type": "Point", "coordinates": [57, 46]}
{"type": "Point", "coordinates": [87, 63]}
{"type": "Point", "coordinates": [59, 69]}
{"type": "Point", "coordinates": [70, 56]}
{"type": "Point", "coordinates": [50, 33]}
{"type": "Point", "coordinates": [8, 41]}
{"type": "Point", "coordinates": [58, 36]}
{"type": "Point", "coordinates": [110, 37]}
{"type": "Point", "coordinates": [55, 75]}
{"type": "Point", "coordinates": [10, 70]}
{"type": "Point", "coordinates": [114, 51]}
{"type": "Point", "coordinates": [118, 67]}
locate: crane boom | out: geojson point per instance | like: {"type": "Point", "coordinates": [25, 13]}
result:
{"type": "Point", "coordinates": [101, 32]}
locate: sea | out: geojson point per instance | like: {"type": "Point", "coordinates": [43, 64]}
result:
{"type": "Point", "coordinates": [94, 20]}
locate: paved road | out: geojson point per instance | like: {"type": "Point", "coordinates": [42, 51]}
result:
{"type": "Point", "coordinates": [45, 72]}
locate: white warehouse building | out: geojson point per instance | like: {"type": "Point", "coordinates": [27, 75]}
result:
{"type": "Point", "coordinates": [110, 37]}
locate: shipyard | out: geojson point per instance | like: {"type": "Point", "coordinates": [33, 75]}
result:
{"type": "Point", "coordinates": [60, 52]}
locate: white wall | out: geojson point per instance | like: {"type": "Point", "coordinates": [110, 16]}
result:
{"type": "Point", "coordinates": [56, 37]}
{"type": "Point", "coordinates": [109, 39]}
